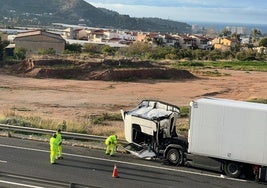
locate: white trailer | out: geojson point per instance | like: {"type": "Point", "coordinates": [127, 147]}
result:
{"type": "Point", "coordinates": [232, 132]}
{"type": "Point", "coordinates": [228, 129]}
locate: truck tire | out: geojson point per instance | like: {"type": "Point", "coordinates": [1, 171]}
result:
{"type": "Point", "coordinates": [175, 156]}
{"type": "Point", "coordinates": [232, 169]}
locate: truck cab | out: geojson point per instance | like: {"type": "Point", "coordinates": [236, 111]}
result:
{"type": "Point", "coordinates": [150, 129]}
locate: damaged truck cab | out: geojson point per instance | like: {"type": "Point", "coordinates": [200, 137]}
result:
{"type": "Point", "coordinates": [150, 129]}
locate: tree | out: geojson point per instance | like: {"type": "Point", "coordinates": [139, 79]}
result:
{"type": "Point", "coordinates": [236, 36]}
{"type": "Point", "coordinates": [263, 42]}
{"type": "Point", "coordinates": [225, 33]}
{"type": "Point", "coordinates": [255, 34]}
{"type": "Point", "coordinates": [158, 41]}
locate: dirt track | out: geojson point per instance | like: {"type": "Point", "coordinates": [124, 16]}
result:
{"type": "Point", "coordinates": [71, 99]}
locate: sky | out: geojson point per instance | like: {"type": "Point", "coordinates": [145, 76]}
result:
{"type": "Point", "coordinates": [218, 11]}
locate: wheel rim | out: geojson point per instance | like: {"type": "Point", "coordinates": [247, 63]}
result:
{"type": "Point", "coordinates": [173, 156]}
{"type": "Point", "coordinates": [233, 168]}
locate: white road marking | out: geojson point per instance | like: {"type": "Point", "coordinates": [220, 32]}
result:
{"type": "Point", "coordinates": [3, 161]}
{"type": "Point", "coordinates": [19, 184]}
{"type": "Point", "coordinates": [129, 163]}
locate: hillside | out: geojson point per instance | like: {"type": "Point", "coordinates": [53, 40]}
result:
{"type": "Point", "coordinates": [46, 12]}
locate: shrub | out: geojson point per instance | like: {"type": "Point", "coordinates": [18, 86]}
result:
{"type": "Point", "coordinates": [20, 53]}
{"type": "Point", "coordinates": [107, 50]}
{"type": "Point", "coordinates": [46, 51]}
{"type": "Point", "coordinates": [263, 42]}
{"type": "Point", "coordinates": [138, 49]}
{"type": "Point", "coordinates": [214, 55]}
{"type": "Point", "coordinates": [73, 48]}
{"type": "Point", "coordinates": [92, 48]}
{"type": "Point", "coordinates": [184, 111]}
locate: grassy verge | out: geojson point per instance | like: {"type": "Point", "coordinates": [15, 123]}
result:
{"type": "Point", "coordinates": [102, 125]}
{"type": "Point", "coordinates": [258, 100]}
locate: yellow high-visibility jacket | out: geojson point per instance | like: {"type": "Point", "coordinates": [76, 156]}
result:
{"type": "Point", "coordinates": [59, 138]}
{"type": "Point", "coordinates": [53, 143]}
{"type": "Point", "coordinates": [111, 140]}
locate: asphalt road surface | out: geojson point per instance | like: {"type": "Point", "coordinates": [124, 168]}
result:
{"type": "Point", "coordinates": [25, 163]}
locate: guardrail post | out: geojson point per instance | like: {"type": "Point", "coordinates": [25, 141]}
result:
{"type": "Point", "coordinates": [8, 133]}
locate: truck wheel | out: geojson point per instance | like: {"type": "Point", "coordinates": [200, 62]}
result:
{"type": "Point", "coordinates": [174, 156]}
{"type": "Point", "coordinates": [232, 169]}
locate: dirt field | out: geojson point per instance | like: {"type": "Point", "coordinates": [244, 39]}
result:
{"type": "Point", "coordinates": [71, 99]}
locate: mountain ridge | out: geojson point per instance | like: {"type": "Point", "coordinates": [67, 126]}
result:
{"type": "Point", "coordinates": [46, 12]}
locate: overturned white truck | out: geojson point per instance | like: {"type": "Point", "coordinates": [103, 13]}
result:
{"type": "Point", "coordinates": [224, 135]}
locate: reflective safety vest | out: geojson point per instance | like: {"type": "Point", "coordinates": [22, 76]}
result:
{"type": "Point", "coordinates": [53, 143]}
{"type": "Point", "coordinates": [111, 140]}
{"type": "Point", "coordinates": [59, 138]}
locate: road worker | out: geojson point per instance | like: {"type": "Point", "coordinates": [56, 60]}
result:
{"type": "Point", "coordinates": [111, 143]}
{"type": "Point", "coordinates": [59, 141]}
{"type": "Point", "coordinates": [53, 148]}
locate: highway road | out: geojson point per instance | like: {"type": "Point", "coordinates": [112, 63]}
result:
{"type": "Point", "coordinates": [25, 163]}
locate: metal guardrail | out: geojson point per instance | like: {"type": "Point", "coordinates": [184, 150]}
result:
{"type": "Point", "coordinates": [11, 128]}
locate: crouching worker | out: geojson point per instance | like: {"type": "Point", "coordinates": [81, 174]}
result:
{"type": "Point", "coordinates": [111, 143]}
{"type": "Point", "coordinates": [53, 148]}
